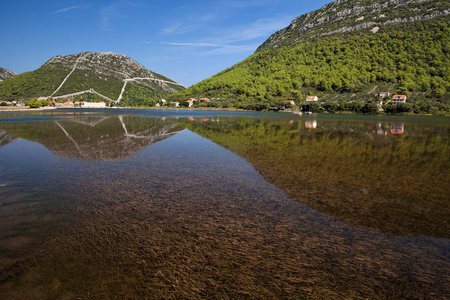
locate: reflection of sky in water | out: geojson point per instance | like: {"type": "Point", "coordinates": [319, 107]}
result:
{"type": "Point", "coordinates": [198, 192]}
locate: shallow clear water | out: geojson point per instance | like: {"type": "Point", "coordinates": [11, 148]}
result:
{"type": "Point", "coordinates": [176, 204]}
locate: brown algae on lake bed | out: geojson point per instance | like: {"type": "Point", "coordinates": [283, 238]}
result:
{"type": "Point", "coordinates": [393, 184]}
{"type": "Point", "coordinates": [185, 218]}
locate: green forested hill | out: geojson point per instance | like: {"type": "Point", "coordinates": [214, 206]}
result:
{"type": "Point", "coordinates": [103, 72]}
{"type": "Point", "coordinates": [408, 57]}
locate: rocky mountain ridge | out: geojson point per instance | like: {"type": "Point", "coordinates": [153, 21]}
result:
{"type": "Point", "coordinates": [346, 53]}
{"type": "Point", "coordinates": [110, 64]}
{"type": "Point", "coordinates": [6, 74]}
{"type": "Point", "coordinates": [114, 76]}
{"type": "Point", "coordinates": [342, 16]}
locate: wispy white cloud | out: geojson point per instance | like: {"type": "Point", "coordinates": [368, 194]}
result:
{"type": "Point", "coordinates": [63, 10]}
{"type": "Point", "coordinates": [190, 23]}
{"type": "Point", "coordinates": [108, 13]}
{"type": "Point", "coordinates": [238, 39]}
{"type": "Point", "coordinates": [231, 49]}
{"type": "Point", "coordinates": [218, 48]}
{"type": "Point", "coordinates": [116, 10]}
{"type": "Point", "coordinates": [194, 44]}
{"type": "Point", "coordinates": [200, 14]}
{"type": "Point", "coordinates": [178, 27]}
{"type": "Point", "coordinates": [239, 4]}
{"type": "Point", "coordinates": [259, 28]}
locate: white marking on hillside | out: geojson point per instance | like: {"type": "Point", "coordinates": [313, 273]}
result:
{"type": "Point", "coordinates": [125, 81]}
{"type": "Point", "coordinates": [372, 90]}
{"type": "Point", "coordinates": [68, 75]}
{"type": "Point", "coordinates": [80, 93]}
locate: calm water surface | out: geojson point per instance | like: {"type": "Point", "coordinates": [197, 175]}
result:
{"type": "Point", "coordinates": [185, 204]}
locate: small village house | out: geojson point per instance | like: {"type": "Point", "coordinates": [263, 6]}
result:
{"type": "Point", "coordinates": [94, 104]}
{"type": "Point", "coordinates": [379, 103]}
{"type": "Point", "coordinates": [396, 99]}
{"type": "Point", "coordinates": [289, 102]}
{"type": "Point", "coordinates": [67, 104]}
{"type": "Point", "coordinates": [190, 102]}
{"type": "Point", "coordinates": [203, 100]}
{"type": "Point", "coordinates": [384, 94]}
{"type": "Point", "coordinates": [176, 104]}
{"type": "Point", "coordinates": [312, 98]}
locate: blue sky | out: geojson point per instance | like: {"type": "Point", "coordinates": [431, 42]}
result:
{"type": "Point", "coordinates": [187, 41]}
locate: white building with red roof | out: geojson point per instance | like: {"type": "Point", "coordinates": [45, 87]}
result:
{"type": "Point", "coordinates": [396, 99]}
{"type": "Point", "coordinates": [312, 98]}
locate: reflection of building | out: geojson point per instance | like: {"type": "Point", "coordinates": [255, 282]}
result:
{"type": "Point", "coordinates": [311, 124]}
{"type": "Point", "coordinates": [380, 130]}
{"type": "Point", "coordinates": [397, 128]}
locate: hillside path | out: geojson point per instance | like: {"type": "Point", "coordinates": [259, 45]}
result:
{"type": "Point", "coordinates": [84, 92]}
{"type": "Point", "coordinates": [68, 75]}
{"type": "Point", "coordinates": [125, 81]}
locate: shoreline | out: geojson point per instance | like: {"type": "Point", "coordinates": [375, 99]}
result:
{"type": "Point", "coordinates": [28, 109]}
{"type": "Point", "coordinates": [23, 109]}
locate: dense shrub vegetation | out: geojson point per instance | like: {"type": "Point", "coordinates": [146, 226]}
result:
{"type": "Point", "coordinates": [411, 59]}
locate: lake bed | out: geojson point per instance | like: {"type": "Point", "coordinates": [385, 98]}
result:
{"type": "Point", "coordinates": [169, 204]}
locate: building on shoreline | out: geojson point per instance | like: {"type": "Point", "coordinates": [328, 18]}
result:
{"type": "Point", "coordinates": [312, 98]}
{"type": "Point", "coordinates": [94, 105]}
{"type": "Point", "coordinates": [396, 99]}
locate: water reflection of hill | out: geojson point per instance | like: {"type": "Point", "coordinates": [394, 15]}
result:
{"type": "Point", "coordinates": [379, 175]}
{"type": "Point", "coordinates": [93, 137]}
{"type": "Point", "coordinates": [6, 138]}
